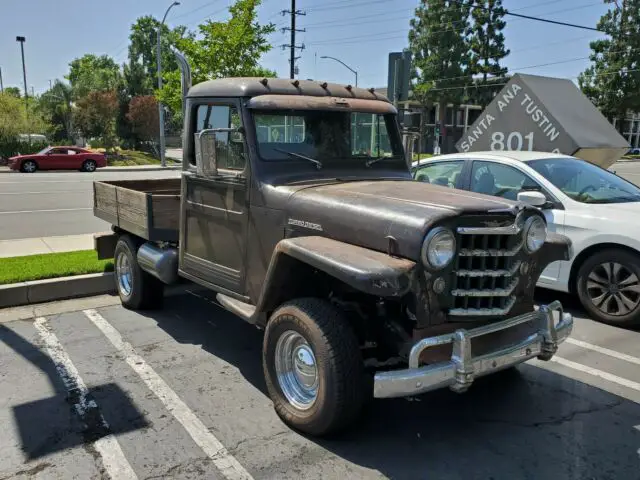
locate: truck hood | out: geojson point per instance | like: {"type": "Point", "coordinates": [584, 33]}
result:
{"type": "Point", "coordinates": [366, 213]}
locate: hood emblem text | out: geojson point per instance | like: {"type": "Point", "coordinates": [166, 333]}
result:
{"type": "Point", "coordinates": [301, 223]}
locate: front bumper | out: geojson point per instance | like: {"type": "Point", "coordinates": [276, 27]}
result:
{"type": "Point", "coordinates": [459, 373]}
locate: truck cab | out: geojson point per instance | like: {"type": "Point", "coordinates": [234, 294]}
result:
{"type": "Point", "coordinates": [297, 207]}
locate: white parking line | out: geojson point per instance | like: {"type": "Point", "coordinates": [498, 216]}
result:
{"type": "Point", "coordinates": [597, 373]}
{"type": "Point", "coordinates": [40, 211]}
{"type": "Point", "coordinates": [222, 459]}
{"type": "Point", "coordinates": [113, 459]}
{"type": "Point", "coordinates": [604, 351]}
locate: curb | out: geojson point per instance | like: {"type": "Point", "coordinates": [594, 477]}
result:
{"type": "Point", "coordinates": [41, 291]}
{"type": "Point", "coordinates": [66, 288]}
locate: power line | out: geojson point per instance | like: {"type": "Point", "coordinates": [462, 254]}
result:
{"type": "Point", "coordinates": [537, 19]}
{"type": "Point", "coordinates": [186, 14]}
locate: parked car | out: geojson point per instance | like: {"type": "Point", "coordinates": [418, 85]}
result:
{"type": "Point", "coordinates": [594, 207]}
{"type": "Point", "coordinates": [59, 158]}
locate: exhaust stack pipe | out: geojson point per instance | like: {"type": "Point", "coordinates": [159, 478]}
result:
{"type": "Point", "coordinates": [185, 79]}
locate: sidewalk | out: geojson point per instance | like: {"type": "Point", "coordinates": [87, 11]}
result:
{"type": "Point", "coordinates": [34, 246]}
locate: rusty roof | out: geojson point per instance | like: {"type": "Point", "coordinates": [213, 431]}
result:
{"type": "Point", "coordinates": [254, 86]}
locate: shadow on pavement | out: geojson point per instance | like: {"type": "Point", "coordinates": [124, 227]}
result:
{"type": "Point", "coordinates": [49, 425]}
{"type": "Point", "coordinates": [527, 423]}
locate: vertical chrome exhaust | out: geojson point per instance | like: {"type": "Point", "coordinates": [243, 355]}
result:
{"type": "Point", "coordinates": [185, 78]}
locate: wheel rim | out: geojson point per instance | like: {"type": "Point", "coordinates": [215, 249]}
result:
{"type": "Point", "coordinates": [613, 289]}
{"type": "Point", "coordinates": [90, 166]}
{"type": "Point", "coordinates": [123, 272]}
{"type": "Point", "coordinates": [296, 370]}
{"type": "Point", "coordinates": [29, 167]}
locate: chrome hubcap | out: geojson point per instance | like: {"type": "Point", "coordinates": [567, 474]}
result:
{"type": "Point", "coordinates": [123, 272]}
{"type": "Point", "coordinates": [296, 370]}
{"type": "Point", "coordinates": [90, 166]}
{"type": "Point", "coordinates": [30, 166]}
{"type": "Point", "coordinates": [613, 289]}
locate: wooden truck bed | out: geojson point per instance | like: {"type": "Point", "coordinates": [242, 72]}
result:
{"type": "Point", "coordinates": [147, 208]}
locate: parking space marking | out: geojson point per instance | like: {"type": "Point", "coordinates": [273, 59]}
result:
{"type": "Point", "coordinates": [597, 373]}
{"type": "Point", "coordinates": [113, 459]}
{"type": "Point", "coordinates": [221, 457]}
{"type": "Point", "coordinates": [604, 351]}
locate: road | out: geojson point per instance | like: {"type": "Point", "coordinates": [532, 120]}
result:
{"type": "Point", "coordinates": [46, 204]}
{"type": "Point", "coordinates": [179, 393]}
{"type": "Point", "coordinates": [58, 203]}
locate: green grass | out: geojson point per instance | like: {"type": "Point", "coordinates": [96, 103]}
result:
{"type": "Point", "coordinates": [51, 265]}
{"type": "Point", "coordinates": [131, 158]}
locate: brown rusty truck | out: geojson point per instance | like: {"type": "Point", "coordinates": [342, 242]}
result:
{"type": "Point", "coordinates": [297, 207]}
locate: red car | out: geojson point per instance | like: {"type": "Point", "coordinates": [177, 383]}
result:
{"type": "Point", "coordinates": [59, 158]}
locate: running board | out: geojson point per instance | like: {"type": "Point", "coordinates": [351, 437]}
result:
{"type": "Point", "coordinates": [243, 310]}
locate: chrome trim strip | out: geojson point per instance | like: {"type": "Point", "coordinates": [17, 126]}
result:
{"type": "Point", "coordinates": [487, 292]}
{"type": "Point", "coordinates": [489, 273]}
{"type": "Point", "coordinates": [483, 312]}
{"type": "Point", "coordinates": [509, 230]}
{"type": "Point", "coordinates": [462, 369]}
{"type": "Point", "coordinates": [477, 252]}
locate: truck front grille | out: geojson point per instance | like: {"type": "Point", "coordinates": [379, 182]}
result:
{"type": "Point", "coordinates": [486, 271]}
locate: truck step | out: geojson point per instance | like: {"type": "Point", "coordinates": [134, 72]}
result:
{"type": "Point", "coordinates": [244, 310]}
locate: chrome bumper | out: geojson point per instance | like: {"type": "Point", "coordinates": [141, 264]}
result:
{"type": "Point", "coordinates": [458, 373]}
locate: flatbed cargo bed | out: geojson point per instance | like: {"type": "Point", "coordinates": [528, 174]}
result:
{"type": "Point", "coordinates": [149, 209]}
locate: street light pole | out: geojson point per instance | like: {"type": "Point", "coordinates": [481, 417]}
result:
{"type": "Point", "coordinates": [340, 61]}
{"type": "Point", "coordinates": [163, 161]}
{"type": "Point", "coordinates": [1, 84]}
{"type": "Point", "coordinates": [24, 73]}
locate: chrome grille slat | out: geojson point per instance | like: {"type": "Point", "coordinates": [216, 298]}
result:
{"type": "Point", "coordinates": [497, 292]}
{"type": "Point", "coordinates": [490, 272]}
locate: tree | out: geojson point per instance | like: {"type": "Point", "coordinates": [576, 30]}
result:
{"type": "Point", "coordinates": [56, 107]}
{"type": "Point", "coordinates": [13, 91]}
{"type": "Point", "coordinates": [224, 49]}
{"type": "Point", "coordinates": [143, 115]}
{"type": "Point", "coordinates": [441, 55]}
{"type": "Point", "coordinates": [486, 48]}
{"type": "Point", "coordinates": [92, 73]}
{"type": "Point", "coordinates": [95, 116]}
{"type": "Point", "coordinates": [612, 81]}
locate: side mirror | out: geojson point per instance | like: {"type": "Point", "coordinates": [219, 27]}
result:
{"type": "Point", "coordinates": [533, 198]}
{"type": "Point", "coordinates": [206, 157]}
{"type": "Point", "coordinates": [211, 145]}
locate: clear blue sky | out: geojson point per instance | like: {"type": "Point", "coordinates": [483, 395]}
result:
{"type": "Point", "coordinates": [358, 32]}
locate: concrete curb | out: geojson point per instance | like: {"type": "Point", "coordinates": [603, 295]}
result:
{"type": "Point", "coordinates": [142, 168]}
{"type": "Point", "coordinates": [40, 291]}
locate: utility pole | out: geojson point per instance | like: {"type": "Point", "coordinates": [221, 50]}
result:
{"type": "Point", "coordinates": [1, 84]}
{"type": "Point", "coordinates": [24, 74]}
{"type": "Point", "coordinates": [163, 160]}
{"type": "Point", "coordinates": [292, 46]}
{"type": "Point", "coordinates": [50, 84]}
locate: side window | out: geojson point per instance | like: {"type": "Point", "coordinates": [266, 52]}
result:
{"type": "Point", "coordinates": [229, 147]}
{"type": "Point", "coordinates": [442, 173]}
{"type": "Point", "coordinates": [500, 180]}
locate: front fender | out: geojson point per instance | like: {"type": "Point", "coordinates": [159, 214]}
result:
{"type": "Point", "coordinates": [366, 270]}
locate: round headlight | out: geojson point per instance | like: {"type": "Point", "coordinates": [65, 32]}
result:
{"type": "Point", "coordinates": [535, 233]}
{"type": "Point", "coordinates": [439, 248]}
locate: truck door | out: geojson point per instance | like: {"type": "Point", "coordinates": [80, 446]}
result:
{"type": "Point", "coordinates": [214, 207]}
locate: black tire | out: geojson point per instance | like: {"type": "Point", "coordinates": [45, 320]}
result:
{"type": "Point", "coordinates": [341, 381]}
{"type": "Point", "coordinates": [89, 166]}
{"type": "Point", "coordinates": [592, 265]}
{"type": "Point", "coordinates": [146, 291]}
{"type": "Point", "coordinates": [29, 166]}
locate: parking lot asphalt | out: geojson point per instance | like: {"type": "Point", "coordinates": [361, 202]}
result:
{"type": "Point", "coordinates": [91, 390]}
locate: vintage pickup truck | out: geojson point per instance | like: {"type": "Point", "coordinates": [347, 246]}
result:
{"type": "Point", "coordinates": [297, 207]}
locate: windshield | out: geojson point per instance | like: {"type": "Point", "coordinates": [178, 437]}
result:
{"type": "Point", "coordinates": [43, 151]}
{"type": "Point", "coordinates": [326, 136]}
{"type": "Point", "coordinates": [585, 182]}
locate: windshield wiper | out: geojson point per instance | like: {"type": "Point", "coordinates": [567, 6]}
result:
{"type": "Point", "coordinates": [368, 163]}
{"type": "Point", "coordinates": [317, 163]}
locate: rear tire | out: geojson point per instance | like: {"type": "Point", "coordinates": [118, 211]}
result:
{"type": "Point", "coordinates": [319, 386]}
{"type": "Point", "coordinates": [138, 290]}
{"type": "Point", "coordinates": [608, 285]}
{"type": "Point", "coordinates": [29, 166]}
{"type": "Point", "coordinates": [89, 166]}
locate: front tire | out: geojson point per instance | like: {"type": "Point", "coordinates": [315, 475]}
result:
{"type": "Point", "coordinates": [138, 290]}
{"type": "Point", "coordinates": [608, 285]}
{"type": "Point", "coordinates": [29, 166]}
{"type": "Point", "coordinates": [313, 368]}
